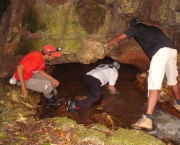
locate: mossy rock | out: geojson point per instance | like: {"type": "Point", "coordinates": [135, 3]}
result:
{"type": "Point", "coordinates": [63, 123]}
{"type": "Point", "coordinates": [132, 137]}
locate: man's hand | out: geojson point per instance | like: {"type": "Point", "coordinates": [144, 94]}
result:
{"type": "Point", "coordinates": [106, 46]}
{"type": "Point", "coordinates": [112, 90]}
{"type": "Point", "coordinates": [55, 82]}
{"type": "Point", "coordinates": [24, 91]}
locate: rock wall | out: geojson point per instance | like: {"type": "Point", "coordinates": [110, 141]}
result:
{"type": "Point", "coordinates": [76, 25]}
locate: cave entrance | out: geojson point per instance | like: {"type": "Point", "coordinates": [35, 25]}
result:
{"type": "Point", "coordinates": [123, 107]}
{"type": "Point", "coordinates": [118, 110]}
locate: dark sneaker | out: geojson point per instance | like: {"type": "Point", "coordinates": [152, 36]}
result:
{"type": "Point", "coordinates": [50, 101]}
{"type": "Point", "coordinates": [71, 105]}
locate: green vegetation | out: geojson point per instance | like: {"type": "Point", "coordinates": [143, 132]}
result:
{"type": "Point", "coordinates": [31, 20]}
{"type": "Point", "coordinates": [132, 137]}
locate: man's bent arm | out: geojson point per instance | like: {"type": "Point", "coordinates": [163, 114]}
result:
{"type": "Point", "coordinates": [20, 70]}
{"type": "Point", "coordinates": [43, 73]}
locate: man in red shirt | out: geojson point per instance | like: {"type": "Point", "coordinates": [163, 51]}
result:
{"type": "Point", "coordinates": [30, 74]}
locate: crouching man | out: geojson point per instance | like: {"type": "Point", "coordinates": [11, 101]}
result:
{"type": "Point", "coordinates": [30, 74]}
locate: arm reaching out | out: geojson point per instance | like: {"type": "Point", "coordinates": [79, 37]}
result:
{"type": "Point", "coordinates": [115, 40]}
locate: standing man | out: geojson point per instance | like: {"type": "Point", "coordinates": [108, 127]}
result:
{"type": "Point", "coordinates": [30, 74]}
{"type": "Point", "coordinates": [163, 54]}
{"type": "Point", "coordinates": [94, 79]}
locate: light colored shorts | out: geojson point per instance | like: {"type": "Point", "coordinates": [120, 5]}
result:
{"type": "Point", "coordinates": [163, 62]}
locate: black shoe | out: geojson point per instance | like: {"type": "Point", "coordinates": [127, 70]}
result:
{"type": "Point", "coordinates": [51, 101]}
{"type": "Point", "coordinates": [56, 97]}
{"type": "Point", "coordinates": [71, 105]}
{"type": "Point", "coordinates": [56, 100]}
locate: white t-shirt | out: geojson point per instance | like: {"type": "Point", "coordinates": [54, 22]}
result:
{"type": "Point", "coordinates": [105, 73]}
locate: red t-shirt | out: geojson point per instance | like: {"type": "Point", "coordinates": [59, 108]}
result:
{"type": "Point", "coordinates": [31, 63]}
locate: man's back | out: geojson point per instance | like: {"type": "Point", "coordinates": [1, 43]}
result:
{"type": "Point", "coordinates": [150, 38]}
{"type": "Point", "coordinates": [105, 73]}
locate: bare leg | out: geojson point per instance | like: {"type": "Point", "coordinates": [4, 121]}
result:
{"type": "Point", "coordinates": [144, 121]}
{"type": "Point", "coordinates": [152, 100]}
{"type": "Point", "coordinates": [176, 91]}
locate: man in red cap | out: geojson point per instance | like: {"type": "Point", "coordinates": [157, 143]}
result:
{"type": "Point", "coordinates": [30, 74]}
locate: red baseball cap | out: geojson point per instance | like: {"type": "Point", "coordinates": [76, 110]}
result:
{"type": "Point", "coordinates": [50, 49]}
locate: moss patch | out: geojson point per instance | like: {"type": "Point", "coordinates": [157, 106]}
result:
{"type": "Point", "coordinates": [90, 136]}
{"type": "Point", "coordinates": [132, 137]}
{"type": "Point", "coordinates": [167, 14]}
{"type": "Point", "coordinates": [64, 123]}
{"type": "Point", "coordinates": [30, 20]}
